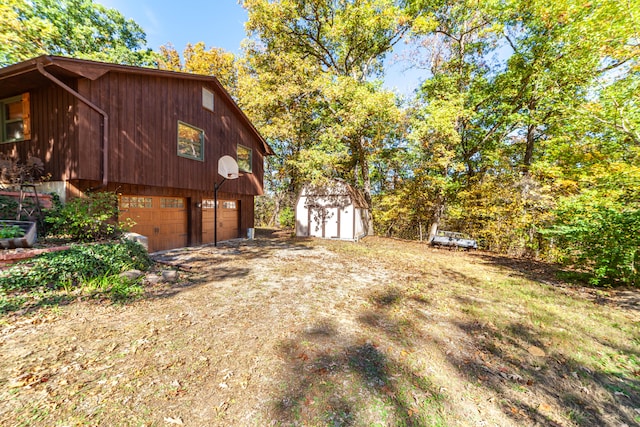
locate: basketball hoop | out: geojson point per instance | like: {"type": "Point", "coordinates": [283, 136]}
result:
{"type": "Point", "coordinates": [228, 169]}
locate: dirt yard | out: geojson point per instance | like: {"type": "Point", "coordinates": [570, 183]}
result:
{"type": "Point", "coordinates": [280, 331]}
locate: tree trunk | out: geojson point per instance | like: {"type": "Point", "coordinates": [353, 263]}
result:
{"type": "Point", "coordinates": [528, 154]}
{"type": "Point", "coordinates": [275, 220]}
{"type": "Point", "coordinates": [437, 215]}
{"type": "Point", "coordinates": [366, 185]}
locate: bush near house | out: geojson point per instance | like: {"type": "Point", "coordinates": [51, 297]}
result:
{"type": "Point", "coordinates": [87, 219]}
{"type": "Point", "coordinates": [8, 207]}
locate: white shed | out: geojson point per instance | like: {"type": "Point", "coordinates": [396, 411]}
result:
{"type": "Point", "coordinates": [332, 211]}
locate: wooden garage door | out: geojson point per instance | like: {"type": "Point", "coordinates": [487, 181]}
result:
{"type": "Point", "coordinates": [228, 220]}
{"type": "Point", "coordinates": [163, 220]}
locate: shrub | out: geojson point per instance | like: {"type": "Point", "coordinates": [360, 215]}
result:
{"type": "Point", "coordinates": [287, 218]}
{"type": "Point", "coordinates": [598, 230]}
{"type": "Point", "coordinates": [87, 219]}
{"type": "Point", "coordinates": [602, 240]}
{"type": "Point", "coordinates": [8, 207]}
{"type": "Point", "coordinates": [75, 266]}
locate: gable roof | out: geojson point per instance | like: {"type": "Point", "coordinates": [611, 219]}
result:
{"type": "Point", "coordinates": [23, 76]}
{"type": "Point", "coordinates": [335, 188]}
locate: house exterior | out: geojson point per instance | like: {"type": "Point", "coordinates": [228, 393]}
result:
{"type": "Point", "coordinates": [335, 210]}
{"type": "Point", "coordinates": [152, 136]}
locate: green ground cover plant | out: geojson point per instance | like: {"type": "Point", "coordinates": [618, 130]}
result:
{"type": "Point", "coordinates": [95, 267]}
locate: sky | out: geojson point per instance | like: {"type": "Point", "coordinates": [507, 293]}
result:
{"type": "Point", "coordinates": [218, 23]}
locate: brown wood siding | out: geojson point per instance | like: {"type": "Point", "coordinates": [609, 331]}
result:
{"type": "Point", "coordinates": [144, 112]}
{"type": "Point", "coordinates": [89, 151]}
{"type": "Point", "coordinates": [54, 135]}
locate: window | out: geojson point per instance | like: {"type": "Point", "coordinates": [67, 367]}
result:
{"type": "Point", "coordinates": [127, 202]}
{"type": "Point", "coordinates": [190, 141]}
{"type": "Point", "coordinates": [244, 158]}
{"type": "Point", "coordinates": [207, 99]}
{"type": "Point", "coordinates": [229, 205]}
{"type": "Point", "coordinates": [172, 202]}
{"type": "Point", "coordinates": [208, 204]}
{"type": "Point", "coordinates": [15, 118]}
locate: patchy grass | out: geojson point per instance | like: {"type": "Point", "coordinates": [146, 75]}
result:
{"type": "Point", "coordinates": [280, 331]}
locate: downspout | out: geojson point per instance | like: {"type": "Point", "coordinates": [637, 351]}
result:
{"type": "Point", "coordinates": [104, 125]}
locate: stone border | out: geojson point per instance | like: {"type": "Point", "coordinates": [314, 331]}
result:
{"type": "Point", "coordinates": [13, 256]}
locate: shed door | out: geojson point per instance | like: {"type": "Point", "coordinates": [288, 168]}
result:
{"type": "Point", "coordinates": [228, 220]}
{"type": "Point", "coordinates": [324, 222]}
{"type": "Point", "coordinates": [163, 220]}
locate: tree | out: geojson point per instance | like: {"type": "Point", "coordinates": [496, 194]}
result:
{"type": "Point", "coordinates": [78, 28]}
{"type": "Point", "coordinates": [281, 95]}
{"type": "Point", "coordinates": [449, 121]}
{"type": "Point", "coordinates": [339, 46]}
{"type": "Point", "coordinates": [198, 60]}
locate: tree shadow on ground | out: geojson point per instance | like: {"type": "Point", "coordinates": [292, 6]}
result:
{"type": "Point", "coordinates": [341, 380]}
{"type": "Point", "coordinates": [557, 276]}
{"type": "Point", "coordinates": [533, 383]}
{"type": "Point", "coordinates": [513, 362]}
{"type": "Point", "coordinates": [530, 269]}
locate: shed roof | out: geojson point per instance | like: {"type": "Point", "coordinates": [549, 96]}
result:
{"type": "Point", "coordinates": [24, 76]}
{"type": "Point", "coordinates": [336, 188]}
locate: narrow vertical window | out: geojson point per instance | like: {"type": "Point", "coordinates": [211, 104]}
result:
{"type": "Point", "coordinates": [207, 99]}
{"type": "Point", "coordinates": [244, 158]}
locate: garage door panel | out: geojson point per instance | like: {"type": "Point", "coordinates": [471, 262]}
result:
{"type": "Point", "coordinates": [164, 227]}
{"type": "Point", "coordinates": [228, 219]}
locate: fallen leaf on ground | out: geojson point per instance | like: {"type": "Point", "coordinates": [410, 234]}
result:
{"type": "Point", "coordinates": [543, 407]}
{"type": "Point", "coordinates": [536, 351]}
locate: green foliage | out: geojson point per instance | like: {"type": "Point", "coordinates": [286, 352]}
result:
{"type": "Point", "coordinates": [119, 288]}
{"type": "Point", "coordinates": [598, 230]}
{"type": "Point", "coordinates": [74, 267]}
{"type": "Point", "coordinates": [198, 60]}
{"type": "Point", "coordinates": [525, 105]}
{"type": "Point", "coordinates": [8, 207]}
{"type": "Point", "coordinates": [77, 28]}
{"type": "Point", "coordinates": [87, 219]}
{"type": "Point", "coordinates": [264, 210]}
{"type": "Point", "coordinates": [308, 82]}
{"type": "Point", "coordinates": [287, 218]}
{"type": "Point", "coordinates": [10, 231]}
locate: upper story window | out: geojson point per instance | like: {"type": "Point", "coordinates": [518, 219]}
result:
{"type": "Point", "coordinates": [207, 99]}
{"type": "Point", "coordinates": [14, 120]}
{"type": "Point", "coordinates": [244, 158]}
{"type": "Point", "coordinates": [190, 141]}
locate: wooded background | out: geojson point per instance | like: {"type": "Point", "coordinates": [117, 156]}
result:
{"type": "Point", "coordinates": [524, 132]}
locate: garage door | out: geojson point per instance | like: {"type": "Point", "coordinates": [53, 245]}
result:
{"type": "Point", "coordinates": [228, 220]}
{"type": "Point", "coordinates": [163, 220]}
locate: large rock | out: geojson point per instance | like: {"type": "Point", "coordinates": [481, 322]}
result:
{"type": "Point", "coordinates": [132, 274]}
{"type": "Point", "coordinates": [143, 240]}
{"type": "Point", "coordinates": [170, 276]}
